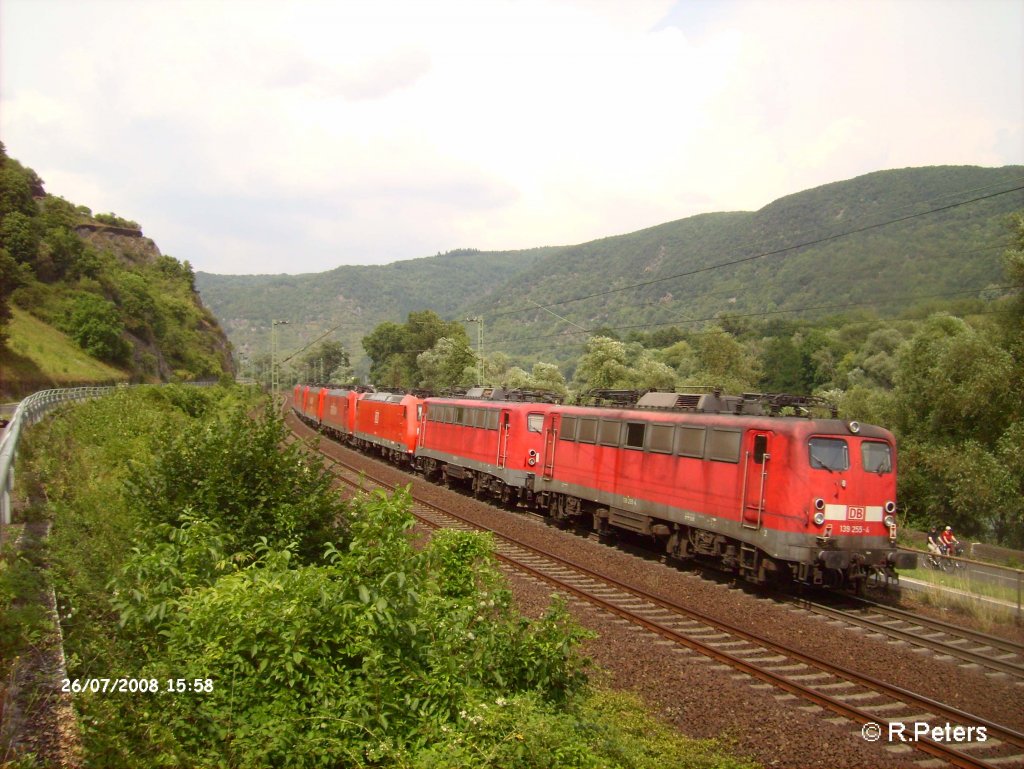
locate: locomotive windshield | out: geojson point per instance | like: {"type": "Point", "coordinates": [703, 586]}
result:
{"type": "Point", "coordinates": [829, 454]}
{"type": "Point", "coordinates": [876, 457]}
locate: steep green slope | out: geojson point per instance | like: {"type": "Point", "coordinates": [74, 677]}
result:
{"type": "Point", "coordinates": [98, 284]}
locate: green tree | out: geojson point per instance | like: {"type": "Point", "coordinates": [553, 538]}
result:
{"type": "Point", "coordinates": [19, 237]}
{"type": "Point", "coordinates": [952, 383]}
{"type": "Point", "coordinates": [394, 349]}
{"type": "Point", "coordinates": [10, 279]}
{"type": "Point", "coordinates": [605, 363]}
{"type": "Point", "coordinates": [387, 341]}
{"type": "Point", "coordinates": [96, 327]}
{"type": "Point", "coordinates": [448, 363]}
{"type": "Point", "coordinates": [783, 367]}
{"type": "Point", "coordinates": [719, 360]}
{"type": "Point", "coordinates": [609, 363]}
{"type": "Point", "coordinates": [327, 362]}
{"type": "Point", "coordinates": [15, 190]}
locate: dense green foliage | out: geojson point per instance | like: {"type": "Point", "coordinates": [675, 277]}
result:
{"type": "Point", "coordinates": [306, 631]}
{"type": "Point", "coordinates": [425, 351]}
{"type": "Point", "coordinates": [94, 323]}
{"type": "Point", "coordinates": [113, 294]}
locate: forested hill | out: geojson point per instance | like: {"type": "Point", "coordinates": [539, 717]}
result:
{"type": "Point", "coordinates": [868, 244]}
{"type": "Point", "coordinates": [354, 299]}
{"type": "Point", "coordinates": [88, 298]}
{"type": "Point", "coordinates": [882, 242]}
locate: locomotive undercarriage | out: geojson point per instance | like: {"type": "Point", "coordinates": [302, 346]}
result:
{"type": "Point", "coordinates": [684, 543]}
{"type": "Point", "coordinates": [483, 485]}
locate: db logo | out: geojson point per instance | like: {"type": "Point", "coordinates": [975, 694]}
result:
{"type": "Point", "coordinates": [855, 513]}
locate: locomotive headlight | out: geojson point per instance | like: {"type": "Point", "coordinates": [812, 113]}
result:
{"type": "Point", "coordinates": [890, 507]}
{"type": "Point", "coordinates": [819, 518]}
{"type": "Point", "coordinates": [890, 521]}
{"type": "Point", "coordinates": [819, 504]}
{"type": "Point", "coordinates": [854, 427]}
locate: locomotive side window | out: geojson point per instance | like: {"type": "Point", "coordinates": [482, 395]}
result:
{"type": "Point", "coordinates": [481, 418]}
{"type": "Point", "coordinates": [588, 431]}
{"type": "Point", "coordinates": [724, 445]}
{"type": "Point", "coordinates": [534, 422]}
{"type": "Point", "coordinates": [492, 419]}
{"type": "Point", "coordinates": [690, 441]}
{"type": "Point", "coordinates": [829, 454]}
{"type": "Point", "coordinates": [567, 432]}
{"type": "Point", "coordinates": [449, 415]}
{"type": "Point", "coordinates": [659, 438]}
{"type": "Point", "coordinates": [760, 448]}
{"type": "Point", "coordinates": [609, 433]}
{"type": "Point", "coordinates": [876, 457]}
{"type": "Point", "coordinates": [635, 435]}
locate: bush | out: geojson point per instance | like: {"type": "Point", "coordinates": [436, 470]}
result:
{"type": "Point", "coordinates": [96, 327]}
{"type": "Point", "coordinates": [233, 470]}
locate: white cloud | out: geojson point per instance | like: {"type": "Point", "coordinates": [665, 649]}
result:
{"type": "Point", "coordinates": [267, 136]}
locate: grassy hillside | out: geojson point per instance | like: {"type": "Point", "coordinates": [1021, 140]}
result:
{"type": "Point", "coordinates": [38, 357]}
{"type": "Point", "coordinates": [684, 272]}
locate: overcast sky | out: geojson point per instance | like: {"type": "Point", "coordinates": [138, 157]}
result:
{"type": "Point", "coordinates": [256, 137]}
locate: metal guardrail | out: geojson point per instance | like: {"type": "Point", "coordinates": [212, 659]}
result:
{"type": "Point", "coordinates": [28, 412]}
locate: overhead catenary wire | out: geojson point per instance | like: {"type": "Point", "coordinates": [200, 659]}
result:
{"type": "Point", "coordinates": [764, 254]}
{"type": "Point", "coordinates": [763, 313]}
{"type": "Point", "coordinates": [767, 313]}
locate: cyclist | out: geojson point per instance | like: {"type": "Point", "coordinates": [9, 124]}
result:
{"type": "Point", "coordinates": [948, 541]}
{"type": "Point", "coordinates": [933, 543]}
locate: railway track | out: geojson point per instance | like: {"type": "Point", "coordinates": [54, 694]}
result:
{"type": "Point", "coordinates": [964, 646]}
{"type": "Point", "coordinates": [877, 708]}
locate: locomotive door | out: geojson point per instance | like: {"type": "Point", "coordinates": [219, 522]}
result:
{"type": "Point", "coordinates": [755, 476]}
{"type": "Point", "coordinates": [503, 430]}
{"type": "Point", "coordinates": [550, 439]}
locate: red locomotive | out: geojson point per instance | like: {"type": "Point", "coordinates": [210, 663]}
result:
{"type": "Point", "coordinates": [388, 423]}
{"type": "Point", "coordinates": [494, 446]}
{"type": "Point", "coordinates": [338, 413]}
{"type": "Point", "coordinates": [724, 478]}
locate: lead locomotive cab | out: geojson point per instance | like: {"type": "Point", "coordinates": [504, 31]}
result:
{"type": "Point", "coordinates": [739, 480]}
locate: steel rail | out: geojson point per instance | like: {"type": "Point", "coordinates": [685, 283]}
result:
{"type": "Point", "coordinates": [914, 637]}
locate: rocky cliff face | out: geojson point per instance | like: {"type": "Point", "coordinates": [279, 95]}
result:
{"type": "Point", "coordinates": [157, 354]}
{"type": "Point", "coordinates": [129, 244]}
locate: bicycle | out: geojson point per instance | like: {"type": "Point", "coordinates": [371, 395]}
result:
{"type": "Point", "coordinates": [949, 563]}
